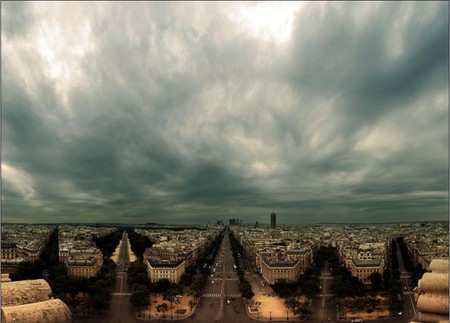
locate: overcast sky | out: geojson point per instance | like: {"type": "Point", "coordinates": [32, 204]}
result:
{"type": "Point", "coordinates": [192, 112]}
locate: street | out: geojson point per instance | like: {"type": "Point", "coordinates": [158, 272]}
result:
{"type": "Point", "coordinates": [408, 295]}
{"type": "Point", "coordinates": [223, 284]}
{"type": "Point", "coordinates": [322, 304]}
{"type": "Point", "coordinates": [120, 310]}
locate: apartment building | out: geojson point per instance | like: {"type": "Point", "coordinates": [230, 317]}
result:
{"type": "Point", "coordinates": [288, 270]}
{"type": "Point", "coordinates": [165, 269]}
{"type": "Point", "coordinates": [78, 251]}
{"type": "Point", "coordinates": [174, 251]}
{"type": "Point", "coordinates": [22, 243]}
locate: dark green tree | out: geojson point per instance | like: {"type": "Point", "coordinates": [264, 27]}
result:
{"type": "Point", "coordinates": [169, 295]}
{"type": "Point", "coordinates": [141, 296]}
{"type": "Point", "coordinates": [292, 303]}
{"type": "Point", "coordinates": [303, 309]}
{"type": "Point", "coordinates": [99, 295]}
{"type": "Point", "coordinates": [162, 308]}
{"type": "Point", "coordinates": [376, 279]}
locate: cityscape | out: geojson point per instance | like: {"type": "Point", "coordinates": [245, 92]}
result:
{"type": "Point", "coordinates": [225, 272]}
{"type": "Point", "coordinates": [225, 161]}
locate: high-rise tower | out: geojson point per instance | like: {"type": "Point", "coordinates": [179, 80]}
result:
{"type": "Point", "coordinates": [273, 220]}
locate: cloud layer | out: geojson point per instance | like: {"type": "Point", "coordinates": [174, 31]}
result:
{"type": "Point", "coordinates": [192, 112]}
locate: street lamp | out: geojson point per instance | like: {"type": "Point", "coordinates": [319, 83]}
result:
{"type": "Point", "coordinates": [287, 316]}
{"type": "Point", "coordinates": [270, 316]}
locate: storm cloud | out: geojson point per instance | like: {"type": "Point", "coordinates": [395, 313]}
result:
{"type": "Point", "coordinates": [191, 112]}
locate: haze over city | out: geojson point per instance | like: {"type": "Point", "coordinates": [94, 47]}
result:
{"type": "Point", "coordinates": [191, 112]}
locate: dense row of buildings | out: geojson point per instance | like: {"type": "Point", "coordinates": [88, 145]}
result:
{"type": "Point", "coordinates": [284, 253]}
{"type": "Point", "coordinates": [76, 246]}
{"type": "Point", "coordinates": [78, 250]}
{"type": "Point", "coordinates": [276, 254]}
{"type": "Point", "coordinates": [426, 242]}
{"type": "Point", "coordinates": [281, 253]}
{"type": "Point", "coordinates": [22, 242]}
{"type": "Point", "coordinates": [174, 251]}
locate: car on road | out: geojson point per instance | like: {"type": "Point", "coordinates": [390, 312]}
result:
{"type": "Point", "coordinates": [356, 320]}
{"type": "Point", "coordinates": [228, 300]}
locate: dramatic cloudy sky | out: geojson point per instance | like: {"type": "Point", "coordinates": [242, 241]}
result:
{"type": "Point", "coordinates": [190, 112]}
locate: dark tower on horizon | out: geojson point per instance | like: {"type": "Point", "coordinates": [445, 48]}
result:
{"type": "Point", "coordinates": [273, 220]}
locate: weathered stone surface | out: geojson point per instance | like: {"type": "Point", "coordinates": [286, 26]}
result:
{"type": "Point", "coordinates": [432, 282]}
{"type": "Point", "coordinates": [5, 278]}
{"type": "Point", "coordinates": [25, 292]}
{"type": "Point", "coordinates": [439, 266]}
{"type": "Point", "coordinates": [433, 303]}
{"type": "Point", "coordinates": [50, 311]}
{"type": "Point", "coordinates": [432, 293]}
{"type": "Point", "coordinates": [425, 317]}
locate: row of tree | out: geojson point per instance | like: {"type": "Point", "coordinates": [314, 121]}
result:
{"type": "Point", "coordinates": [297, 307]}
{"type": "Point", "coordinates": [244, 286]}
{"type": "Point", "coordinates": [191, 282]}
{"type": "Point", "coordinates": [47, 260]}
{"type": "Point", "coordinates": [140, 284]}
{"type": "Point", "coordinates": [307, 285]}
{"type": "Point", "coordinates": [344, 284]}
{"type": "Point", "coordinates": [108, 243]}
{"type": "Point", "coordinates": [138, 242]}
{"type": "Point", "coordinates": [417, 270]}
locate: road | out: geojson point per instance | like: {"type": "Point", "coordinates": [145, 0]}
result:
{"type": "Point", "coordinates": [324, 309]}
{"type": "Point", "coordinates": [408, 296]}
{"type": "Point", "coordinates": [224, 283]}
{"type": "Point", "coordinates": [322, 305]}
{"type": "Point", "coordinates": [120, 310]}
{"type": "Point", "coordinates": [215, 307]}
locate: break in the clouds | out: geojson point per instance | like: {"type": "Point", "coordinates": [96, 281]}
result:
{"type": "Point", "coordinates": [191, 112]}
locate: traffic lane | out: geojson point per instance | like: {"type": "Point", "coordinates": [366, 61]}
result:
{"type": "Point", "coordinates": [409, 307]}
{"type": "Point", "coordinates": [208, 311]}
{"type": "Point", "coordinates": [122, 311]}
{"type": "Point", "coordinates": [213, 288]}
{"type": "Point", "coordinates": [235, 312]}
{"type": "Point", "coordinates": [122, 258]}
{"type": "Point", "coordinates": [232, 287]}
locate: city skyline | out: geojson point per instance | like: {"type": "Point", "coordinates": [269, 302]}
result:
{"type": "Point", "coordinates": [181, 113]}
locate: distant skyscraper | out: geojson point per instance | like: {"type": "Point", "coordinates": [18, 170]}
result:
{"type": "Point", "coordinates": [273, 220]}
{"type": "Point", "coordinates": [235, 221]}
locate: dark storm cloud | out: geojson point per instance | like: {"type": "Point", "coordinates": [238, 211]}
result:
{"type": "Point", "coordinates": [175, 112]}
